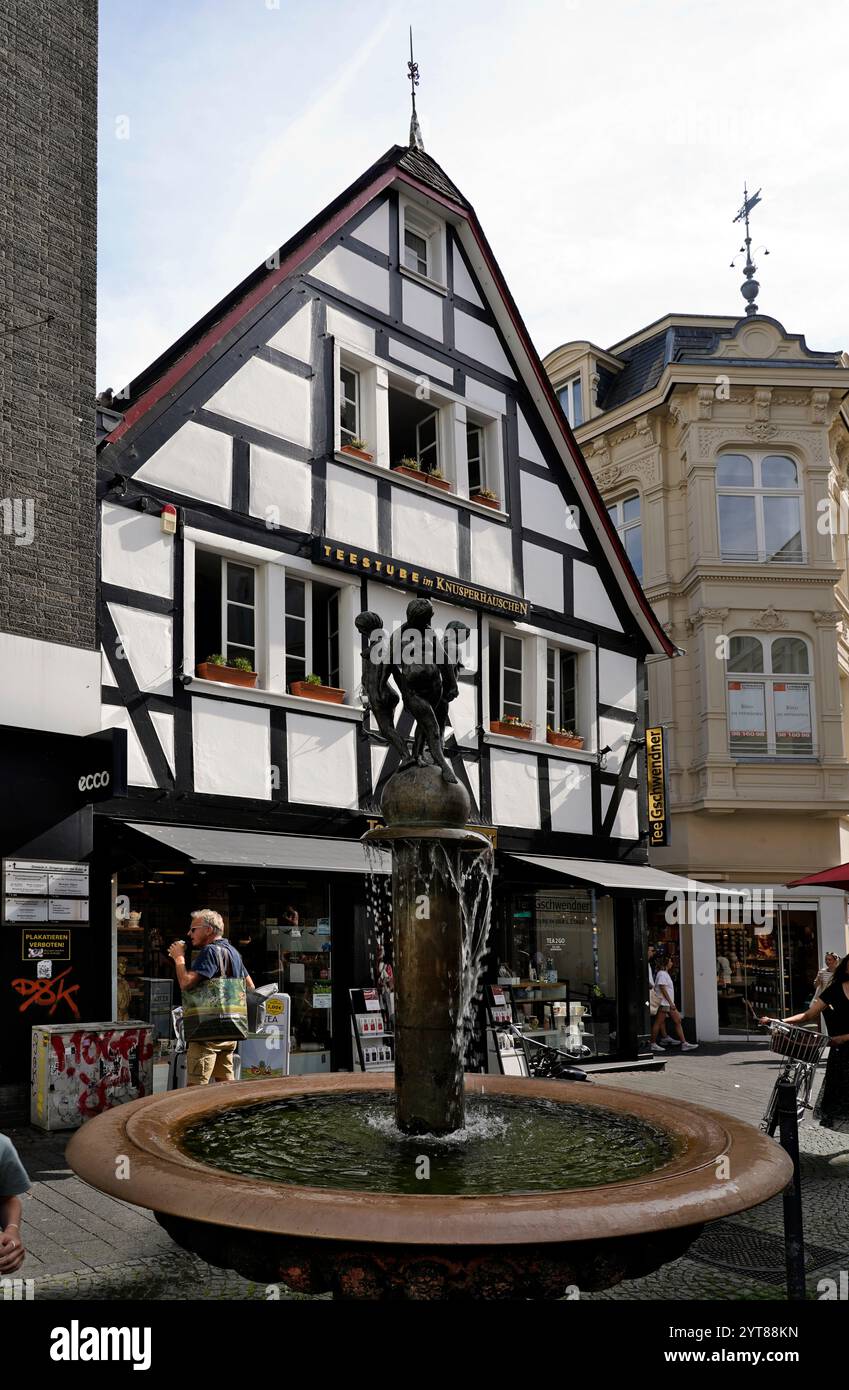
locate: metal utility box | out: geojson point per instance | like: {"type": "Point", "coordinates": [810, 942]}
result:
{"type": "Point", "coordinates": [79, 1070]}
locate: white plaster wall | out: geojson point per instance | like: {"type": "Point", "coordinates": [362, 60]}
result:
{"type": "Point", "coordinates": [422, 310]}
{"type": "Point", "coordinates": [134, 551]}
{"type": "Point", "coordinates": [106, 676]}
{"type": "Point", "coordinates": [195, 462]}
{"type": "Point", "coordinates": [590, 597]}
{"type": "Point", "coordinates": [281, 489]}
{"type": "Point", "coordinates": [164, 725]}
{"type": "Point", "coordinates": [378, 755]}
{"type": "Point", "coordinates": [138, 768]}
{"type": "Point", "coordinates": [350, 331]}
{"type": "Point", "coordinates": [474, 775]}
{"type": "Point", "coordinates": [231, 748]}
{"type": "Point", "coordinates": [543, 576]}
{"type": "Point", "coordinates": [617, 679]}
{"type": "Point", "coordinates": [267, 397]}
{"type": "Point", "coordinates": [463, 283]}
{"type": "Point", "coordinates": [570, 794]}
{"type": "Point", "coordinates": [375, 230]}
{"type": "Point", "coordinates": [146, 641]}
{"type": "Point", "coordinates": [354, 276]}
{"type": "Point", "coordinates": [615, 735]}
{"type": "Point", "coordinates": [515, 789]}
{"type": "Point", "coordinates": [46, 685]}
{"type": "Point", "coordinates": [492, 555]}
{"type": "Point", "coordinates": [421, 361]}
{"type": "Point", "coordinates": [544, 509]}
{"type": "Point", "coordinates": [295, 337]}
{"type": "Point", "coordinates": [463, 715]}
{"type": "Point", "coordinates": [424, 532]}
{"type": "Point", "coordinates": [477, 340]}
{"type": "Point", "coordinates": [528, 447]}
{"type": "Point", "coordinates": [351, 507]}
{"type": "Point", "coordinates": [484, 395]}
{"type": "Point", "coordinates": [322, 761]}
{"type": "Point", "coordinates": [626, 822]}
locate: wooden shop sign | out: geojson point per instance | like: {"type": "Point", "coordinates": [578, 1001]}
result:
{"type": "Point", "coordinates": [425, 581]}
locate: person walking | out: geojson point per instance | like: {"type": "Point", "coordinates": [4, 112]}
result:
{"type": "Point", "coordinates": [209, 1058]}
{"type": "Point", "coordinates": [14, 1182]}
{"type": "Point", "coordinates": [823, 977]}
{"type": "Point", "coordinates": [659, 1041]}
{"type": "Point", "coordinates": [665, 987]}
{"type": "Point", "coordinates": [832, 1107]}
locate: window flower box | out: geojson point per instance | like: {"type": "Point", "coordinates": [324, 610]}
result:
{"type": "Point", "coordinates": [511, 728]}
{"type": "Point", "coordinates": [227, 675]}
{"type": "Point", "coordinates": [487, 501]}
{"type": "Point", "coordinates": [410, 471]}
{"type": "Point", "coordinates": [563, 738]}
{"type": "Point", "coordinates": [314, 690]}
{"type": "Point", "coordinates": [357, 452]}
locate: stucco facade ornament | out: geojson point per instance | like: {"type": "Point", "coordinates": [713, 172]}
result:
{"type": "Point", "coordinates": [768, 620]}
{"type": "Point", "coordinates": [789, 397]}
{"type": "Point", "coordinates": [645, 431]}
{"type": "Point", "coordinates": [762, 431]}
{"type": "Point", "coordinates": [830, 618]}
{"type": "Point", "coordinates": [606, 477]}
{"type": "Point", "coordinates": [676, 414]}
{"type": "Point", "coordinates": [706, 615]}
{"type": "Point", "coordinates": [819, 407]}
{"type": "Point", "coordinates": [706, 399]}
{"type": "Point", "coordinates": [763, 400]}
{"type": "Point", "coordinates": [711, 438]}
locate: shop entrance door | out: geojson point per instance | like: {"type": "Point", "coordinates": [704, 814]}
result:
{"type": "Point", "coordinates": [766, 969]}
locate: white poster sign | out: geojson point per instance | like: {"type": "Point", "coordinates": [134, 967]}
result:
{"type": "Point", "coordinates": [793, 711]}
{"type": "Point", "coordinates": [25, 910]}
{"type": "Point", "coordinates": [746, 710]}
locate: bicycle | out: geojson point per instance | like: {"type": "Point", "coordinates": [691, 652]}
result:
{"type": "Point", "coordinates": [802, 1051]}
{"type": "Point", "coordinates": [544, 1062]}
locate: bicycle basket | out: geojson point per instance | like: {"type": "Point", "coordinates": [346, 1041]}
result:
{"type": "Point", "coordinates": [798, 1043]}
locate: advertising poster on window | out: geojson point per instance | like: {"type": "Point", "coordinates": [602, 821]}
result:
{"type": "Point", "coordinates": [747, 710]}
{"type": "Point", "coordinates": [792, 712]}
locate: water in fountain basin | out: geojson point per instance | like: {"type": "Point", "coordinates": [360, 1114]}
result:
{"type": "Point", "coordinates": [508, 1145]}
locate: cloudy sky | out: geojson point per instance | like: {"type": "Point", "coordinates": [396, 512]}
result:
{"type": "Point", "coordinates": [603, 143]}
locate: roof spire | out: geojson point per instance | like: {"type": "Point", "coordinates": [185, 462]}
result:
{"type": "Point", "coordinates": [749, 288]}
{"type": "Point", "coordinates": [416, 141]}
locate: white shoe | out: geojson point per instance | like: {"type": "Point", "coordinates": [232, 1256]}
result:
{"type": "Point", "coordinates": [689, 1047]}
{"type": "Point", "coordinates": [656, 1047]}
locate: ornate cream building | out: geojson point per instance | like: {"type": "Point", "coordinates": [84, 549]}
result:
{"type": "Point", "coordinates": [721, 448]}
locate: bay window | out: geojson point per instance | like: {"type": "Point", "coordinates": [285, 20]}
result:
{"type": "Point", "coordinates": [759, 504]}
{"type": "Point", "coordinates": [770, 711]}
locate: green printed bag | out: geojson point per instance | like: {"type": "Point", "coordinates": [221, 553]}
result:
{"type": "Point", "coordinates": [217, 1009]}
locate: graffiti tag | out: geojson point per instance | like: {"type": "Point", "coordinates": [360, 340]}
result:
{"type": "Point", "coordinates": [47, 992]}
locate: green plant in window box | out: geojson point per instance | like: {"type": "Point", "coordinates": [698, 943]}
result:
{"type": "Point", "coordinates": [313, 688]}
{"type": "Point", "coordinates": [358, 448]}
{"type": "Point", "coordinates": [512, 726]}
{"type": "Point", "coordinates": [563, 738]}
{"type": "Point", "coordinates": [487, 497]}
{"type": "Point", "coordinates": [236, 672]}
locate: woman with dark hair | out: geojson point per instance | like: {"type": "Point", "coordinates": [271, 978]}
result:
{"type": "Point", "coordinates": [832, 1108]}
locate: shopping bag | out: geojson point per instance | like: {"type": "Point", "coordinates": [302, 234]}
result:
{"type": "Point", "coordinates": [218, 1008]}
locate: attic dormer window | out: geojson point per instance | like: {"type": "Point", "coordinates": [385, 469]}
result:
{"type": "Point", "coordinates": [571, 398]}
{"type": "Point", "coordinates": [422, 243]}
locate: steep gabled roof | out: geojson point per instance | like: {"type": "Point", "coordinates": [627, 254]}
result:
{"type": "Point", "coordinates": [422, 173]}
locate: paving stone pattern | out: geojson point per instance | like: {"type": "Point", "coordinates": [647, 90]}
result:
{"type": "Point", "coordinates": [83, 1244]}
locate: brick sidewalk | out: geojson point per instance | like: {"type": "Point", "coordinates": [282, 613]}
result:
{"type": "Point", "coordinates": [84, 1244]}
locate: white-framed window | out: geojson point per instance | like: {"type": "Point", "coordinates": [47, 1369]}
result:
{"type": "Point", "coordinates": [349, 404]}
{"type": "Point", "coordinates": [226, 594]}
{"type": "Point", "coordinates": [626, 517]}
{"type": "Point", "coordinates": [422, 249]}
{"type": "Point", "coordinates": [561, 689]}
{"type": "Point", "coordinates": [571, 399]}
{"type": "Point", "coordinates": [770, 697]}
{"type": "Point", "coordinates": [476, 456]}
{"type": "Point", "coordinates": [759, 508]}
{"type": "Point", "coordinates": [416, 431]}
{"type": "Point", "coordinates": [511, 701]}
{"type": "Point", "coordinates": [311, 630]}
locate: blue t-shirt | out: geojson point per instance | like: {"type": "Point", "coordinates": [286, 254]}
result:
{"type": "Point", "coordinates": [13, 1175]}
{"type": "Point", "coordinates": [206, 961]}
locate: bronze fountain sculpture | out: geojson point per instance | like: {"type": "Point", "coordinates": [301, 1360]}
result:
{"type": "Point", "coordinates": [522, 1234]}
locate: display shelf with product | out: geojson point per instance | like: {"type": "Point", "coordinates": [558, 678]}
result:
{"type": "Point", "coordinates": [371, 1027]}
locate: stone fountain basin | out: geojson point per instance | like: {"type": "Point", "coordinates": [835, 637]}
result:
{"type": "Point", "coordinates": [371, 1245]}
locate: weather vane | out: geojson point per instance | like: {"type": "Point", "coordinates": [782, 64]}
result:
{"type": "Point", "coordinates": [416, 141]}
{"type": "Point", "coordinates": [750, 287]}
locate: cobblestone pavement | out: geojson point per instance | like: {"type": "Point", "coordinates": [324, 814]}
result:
{"type": "Point", "coordinates": [83, 1244]}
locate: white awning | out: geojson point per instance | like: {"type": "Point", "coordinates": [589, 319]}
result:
{"type": "Point", "coordinates": [244, 849]}
{"type": "Point", "coordinates": [605, 873]}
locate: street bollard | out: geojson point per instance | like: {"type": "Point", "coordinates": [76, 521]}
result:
{"type": "Point", "coordinates": [794, 1244]}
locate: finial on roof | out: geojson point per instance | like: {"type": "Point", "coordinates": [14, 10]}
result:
{"type": "Point", "coordinates": [416, 141]}
{"type": "Point", "coordinates": [750, 287]}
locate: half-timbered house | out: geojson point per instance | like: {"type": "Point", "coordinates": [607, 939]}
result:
{"type": "Point", "coordinates": [365, 419]}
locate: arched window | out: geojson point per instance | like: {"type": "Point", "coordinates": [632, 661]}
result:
{"type": "Point", "coordinates": [769, 715]}
{"type": "Point", "coordinates": [626, 517]}
{"type": "Point", "coordinates": [759, 502]}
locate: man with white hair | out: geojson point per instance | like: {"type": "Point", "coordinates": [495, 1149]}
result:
{"type": "Point", "coordinates": [208, 1059]}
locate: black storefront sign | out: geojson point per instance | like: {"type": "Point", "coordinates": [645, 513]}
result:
{"type": "Point", "coordinates": [432, 583]}
{"type": "Point", "coordinates": [658, 787]}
